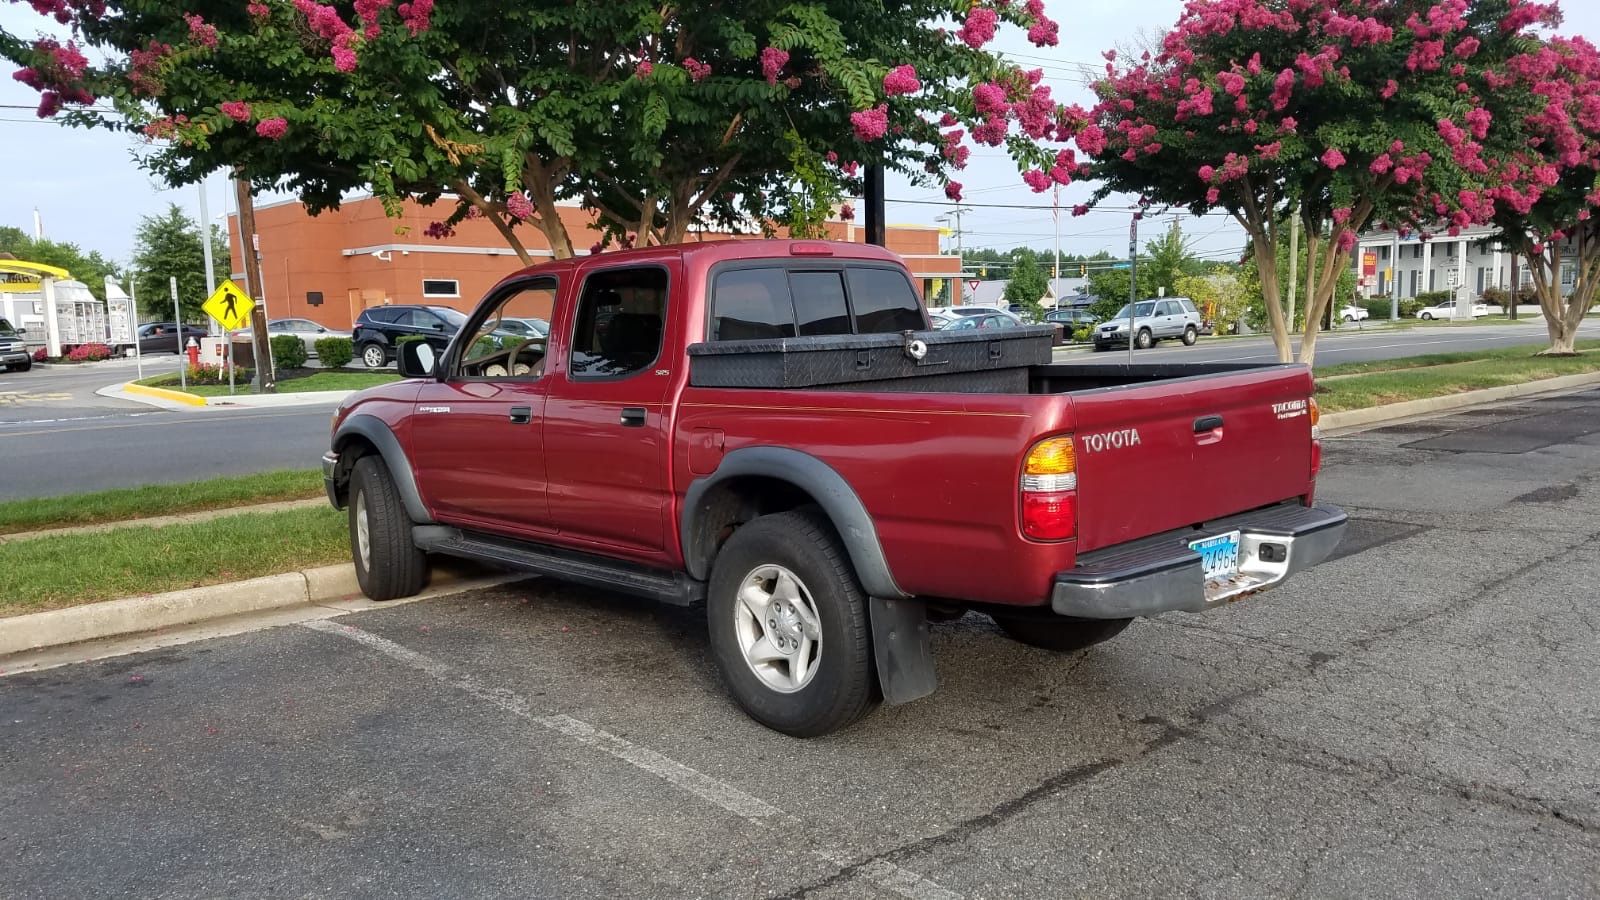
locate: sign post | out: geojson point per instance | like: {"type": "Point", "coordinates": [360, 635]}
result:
{"type": "Point", "coordinates": [230, 307]}
{"type": "Point", "coordinates": [177, 318]}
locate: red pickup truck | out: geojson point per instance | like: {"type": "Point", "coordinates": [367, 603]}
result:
{"type": "Point", "coordinates": [768, 428]}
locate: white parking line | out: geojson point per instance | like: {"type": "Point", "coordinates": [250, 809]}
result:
{"type": "Point", "coordinates": [752, 809]}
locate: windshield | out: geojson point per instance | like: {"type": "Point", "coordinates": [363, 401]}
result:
{"type": "Point", "coordinates": [1140, 310]}
{"type": "Point", "coordinates": [6, 329]}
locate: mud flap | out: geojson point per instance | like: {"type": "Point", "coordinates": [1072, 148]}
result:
{"type": "Point", "coordinates": [901, 646]}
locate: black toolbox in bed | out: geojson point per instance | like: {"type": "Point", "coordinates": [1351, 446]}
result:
{"type": "Point", "coordinates": [969, 360]}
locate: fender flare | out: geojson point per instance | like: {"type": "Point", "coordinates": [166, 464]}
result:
{"type": "Point", "coordinates": [378, 432]}
{"type": "Point", "coordinates": [826, 486]}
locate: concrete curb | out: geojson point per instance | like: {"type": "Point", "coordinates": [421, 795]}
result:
{"type": "Point", "coordinates": [1394, 412]}
{"type": "Point", "coordinates": [116, 618]}
{"type": "Point", "coordinates": [163, 394]}
{"type": "Point", "coordinates": [205, 515]}
{"type": "Point", "coordinates": [268, 401]}
{"type": "Point", "coordinates": [119, 392]}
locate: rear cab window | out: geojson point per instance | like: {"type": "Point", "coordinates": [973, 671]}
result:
{"type": "Point", "coordinates": [620, 320]}
{"type": "Point", "coordinates": [803, 299]}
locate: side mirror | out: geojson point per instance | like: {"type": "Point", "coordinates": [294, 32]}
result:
{"type": "Point", "coordinates": [418, 359]}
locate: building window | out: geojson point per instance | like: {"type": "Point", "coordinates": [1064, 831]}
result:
{"type": "Point", "coordinates": [1416, 252]}
{"type": "Point", "coordinates": [1383, 252]}
{"type": "Point", "coordinates": [441, 287]}
{"type": "Point", "coordinates": [313, 298]}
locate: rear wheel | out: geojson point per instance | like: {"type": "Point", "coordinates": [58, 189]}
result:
{"type": "Point", "coordinates": [388, 563]}
{"type": "Point", "coordinates": [1145, 340]}
{"type": "Point", "coordinates": [788, 625]}
{"type": "Point", "coordinates": [374, 356]}
{"type": "Point", "coordinates": [1190, 336]}
{"type": "Point", "coordinates": [1349, 320]}
{"type": "Point", "coordinates": [1060, 633]}
{"type": "Point", "coordinates": [1428, 316]}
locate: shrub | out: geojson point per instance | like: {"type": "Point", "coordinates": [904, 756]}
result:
{"type": "Point", "coordinates": [40, 355]}
{"type": "Point", "coordinates": [1083, 334]}
{"type": "Point", "coordinates": [288, 352]}
{"type": "Point", "coordinates": [1497, 297]}
{"type": "Point", "coordinates": [205, 373]}
{"type": "Point", "coordinates": [334, 352]}
{"type": "Point", "coordinates": [1378, 307]}
{"type": "Point", "coordinates": [89, 353]}
{"type": "Point", "coordinates": [1409, 308]}
{"type": "Point", "coordinates": [1432, 298]}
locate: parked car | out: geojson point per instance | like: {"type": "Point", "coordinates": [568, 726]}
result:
{"type": "Point", "coordinates": [162, 337]}
{"type": "Point", "coordinates": [1153, 320]}
{"type": "Point", "coordinates": [660, 446]}
{"type": "Point", "coordinates": [1447, 310]}
{"type": "Point", "coordinates": [1071, 318]}
{"type": "Point", "coordinates": [1354, 313]}
{"type": "Point", "coordinates": [993, 320]}
{"type": "Point", "coordinates": [952, 311]}
{"type": "Point", "coordinates": [14, 354]}
{"type": "Point", "coordinates": [378, 328]}
{"type": "Point", "coordinates": [529, 328]}
{"type": "Point", "coordinates": [307, 331]}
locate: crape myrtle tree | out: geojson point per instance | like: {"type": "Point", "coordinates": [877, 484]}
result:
{"type": "Point", "coordinates": [657, 117]}
{"type": "Point", "coordinates": [1544, 208]}
{"type": "Point", "coordinates": [1347, 113]}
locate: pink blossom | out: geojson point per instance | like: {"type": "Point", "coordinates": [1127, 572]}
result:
{"type": "Point", "coordinates": [953, 190]}
{"type": "Point", "coordinates": [272, 129]}
{"type": "Point", "coordinates": [1232, 82]}
{"type": "Point", "coordinates": [201, 33]}
{"type": "Point", "coordinates": [416, 15]}
{"type": "Point", "coordinates": [901, 80]}
{"type": "Point", "coordinates": [518, 207]}
{"type": "Point", "coordinates": [1080, 211]}
{"type": "Point", "coordinates": [237, 110]}
{"type": "Point", "coordinates": [870, 124]}
{"type": "Point", "coordinates": [1390, 89]}
{"type": "Point", "coordinates": [847, 213]}
{"type": "Point", "coordinates": [772, 62]}
{"type": "Point", "coordinates": [439, 230]}
{"type": "Point", "coordinates": [1044, 33]}
{"type": "Point", "coordinates": [260, 12]}
{"type": "Point", "coordinates": [989, 99]}
{"type": "Point", "coordinates": [850, 168]}
{"type": "Point", "coordinates": [1289, 124]}
{"type": "Point", "coordinates": [1347, 241]}
{"type": "Point", "coordinates": [832, 157]}
{"type": "Point", "coordinates": [1468, 47]}
{"type": "Point", "coordinates": [1213, 195]}
{"type": "Point", "coordinates": [344, 59]}
{"type": "Point", "coordinates": [597, 248]}
{"type": "Point", "coordinates": [979, 28]}
{"type": "Point", "coordinates": [1341, 215]}
{"type": "Point", "coordinates": [946, 120]}
{"type": "Point", "coordinates": [643, 69]}
{"type": "Point", "coordinates": [1037, 180]}
{"type": "Point", "coordinates": [1207, 173]}
{"type": "Point", "coordinates": [1092, 140]}
{"type": "Point", "coordinates": [698, 71]}
{"type": "Point", "coordinates": [1333, 159]}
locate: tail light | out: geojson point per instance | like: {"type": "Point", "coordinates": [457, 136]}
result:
{"type": "Point", "coordinates": [1316, 438]}
{"type": "Point", "coordinates": [1050, 490]}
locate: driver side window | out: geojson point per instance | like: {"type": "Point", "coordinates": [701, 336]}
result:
{"type": "Point", "coordinates": [497, 348]}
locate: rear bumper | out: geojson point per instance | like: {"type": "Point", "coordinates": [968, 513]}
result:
{"type": "Point", "coordinates": [1161, 574]}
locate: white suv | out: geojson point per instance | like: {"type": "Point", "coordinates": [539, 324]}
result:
{"type": "Point", "coordinates": [1153, 320]}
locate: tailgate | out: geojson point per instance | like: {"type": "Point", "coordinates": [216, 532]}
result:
{"type": "Point", "coordinates": [1170, 454]}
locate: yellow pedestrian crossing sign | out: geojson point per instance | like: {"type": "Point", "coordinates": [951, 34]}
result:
{"type": "Point", "coordinates": [230, 306]}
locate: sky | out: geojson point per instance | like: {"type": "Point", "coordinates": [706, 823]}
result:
{"type": "Point", "coordinates": [90, 190]}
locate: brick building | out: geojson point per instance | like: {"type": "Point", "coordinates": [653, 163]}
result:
{"type": "Point", "coordinates": [329, 267]}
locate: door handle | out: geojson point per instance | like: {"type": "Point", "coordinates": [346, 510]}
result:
{"type": "Point", "coordinates": [633, 416]}
{"type": "Point", "coordinates": [1207, 423]}
{"type": "Point", "coordinates": [521, 415]}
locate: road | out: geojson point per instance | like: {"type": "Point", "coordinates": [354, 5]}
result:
{"type": "Point", "coordinates": [1416, 718]}
{"type": "Point", "coordinates": [57, 436]}
{"type": "Point", "coordinates": [1344, 346]}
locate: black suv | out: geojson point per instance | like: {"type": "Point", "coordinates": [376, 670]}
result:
{"type": "Point", "coordinates": [14, 353]}
{"type": "Point", "coordinates": [379, 328]}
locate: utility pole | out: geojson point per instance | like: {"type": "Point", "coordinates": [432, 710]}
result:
{"type": "Point", "coordinates": [177, 316]}
{"type": "Point", "coordinates": [205, 242]}
{"type": "Point", "coordinates": [1294, 261]}
{"type": "Point", "coordinates": [266, 380]}
{"type": "Point", "coordinates": [1516, 282]}
{"type": "Point", "coordinates": [877, 232]}
{"type": "Point", "coordinates": [1133, 272]}
{"type": "Point", "coordinates": [1394, 279]}
{"type": "Point", "coordinates": [1055, 271]}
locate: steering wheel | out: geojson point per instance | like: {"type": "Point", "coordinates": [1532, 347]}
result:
{"type": "Point", "coordinates": [519, 369]}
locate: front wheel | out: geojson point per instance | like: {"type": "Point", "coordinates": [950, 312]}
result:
{"type": "Point", "coordinates": [388, 563]}
{"type": "Point", "coordinates": [374, 356]}
{"type": "Point", "coordinates": [1427, 317]}
{"type": "Point", "coordinates": [1145, 340]}
{"type": "Point", "coordinates": [1349, 320]}
{"type": "Point", "coordinates": [788, 625]}
{"type": "Point", "coordinates": [1060, 633]}
{"type": "Point", "coordinates": [23, 366]}
{"type": "Point", "coordinates": [1190, 336]}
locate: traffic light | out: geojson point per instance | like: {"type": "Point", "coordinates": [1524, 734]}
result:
{"type": "Point", "coordinates": [1083, 270]}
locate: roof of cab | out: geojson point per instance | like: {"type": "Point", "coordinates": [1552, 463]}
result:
{"type": "Point", "coordinates": [709, 253]}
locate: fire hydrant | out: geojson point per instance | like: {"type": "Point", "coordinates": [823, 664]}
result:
{"type": "Point", "coordinates": [193, 351]}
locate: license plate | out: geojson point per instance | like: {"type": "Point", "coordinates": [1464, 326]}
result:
{"type": "Point", "coordinates": [1219, 555]}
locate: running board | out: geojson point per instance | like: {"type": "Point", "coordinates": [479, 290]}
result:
{"type": "Point", "coordinates": [673, 588]}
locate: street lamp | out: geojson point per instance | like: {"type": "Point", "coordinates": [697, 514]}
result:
{"type": "Point", "coordinates": [1133, 269]}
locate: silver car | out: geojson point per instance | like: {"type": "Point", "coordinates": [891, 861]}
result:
{"type": "Point", "coordinates": [307, 331]}
{"type": "Point", "coordinates": [1153, 320]}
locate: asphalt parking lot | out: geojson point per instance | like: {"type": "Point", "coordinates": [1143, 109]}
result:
{"type": "Point", "coordinates": [1418, 718]}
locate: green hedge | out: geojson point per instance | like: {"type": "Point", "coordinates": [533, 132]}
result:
{"type": "Point", "coordinates": [288, 352]}
{"type": "Point", "coordinates": [1433, 298]}
{"type": "Point", "coordinates": [334, 352]}
{"type": "Point", "coordinates": [1409, 308]}
{"type": "Point", "coordinates": [1377, 308]}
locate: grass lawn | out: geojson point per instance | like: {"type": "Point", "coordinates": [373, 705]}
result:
{"type": "Point", "coordinates": [157, 500]}
{"type": "Point", "coordinates": [68, 570]}
{"type": "Point", "coordinates": [1398, 384]}
{"type": "Point", "coordinates": [1440, 359]}
{"type": "Point", "coordinates": [323, 380]}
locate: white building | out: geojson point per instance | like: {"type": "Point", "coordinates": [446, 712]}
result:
{"type": "Point", "coordinates": [1473, 259]}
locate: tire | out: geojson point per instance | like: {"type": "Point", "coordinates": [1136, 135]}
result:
{"type": "Point", "coordinates": [388, 565]}
{"type": "Point", "coordinates": [23, 367]}
{"type": "Point", "coordinates": [1144, 340]}
{"type": "Point", "coordinates": [1190, 336]}
{"type": "Point", "coordinates": [1349, 320]}
{"type": "Point", "coordinates": [1060, 633]}
{"type": "Point", "coordinates": [821, 617]}
{"type": "Point", "coordinates": [374, 356]}
{"type": "Point", "coordinates": [1427, 317]}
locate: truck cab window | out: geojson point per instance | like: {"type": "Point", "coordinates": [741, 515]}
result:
{"type": "Point", "coordinates": [751, 304]}
{"type": "Point", "coordinates": [884, 301]}
{"type": "Point", "coordinates": [819, 302]}
{"type": "Point", "coordinates": [500, 348]}
{"type": "Point", "coordinates": [620, 318]}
